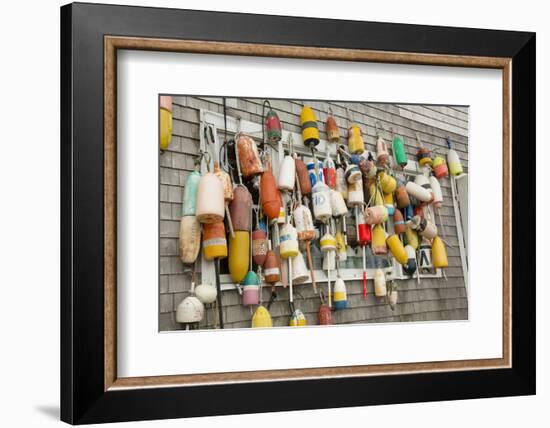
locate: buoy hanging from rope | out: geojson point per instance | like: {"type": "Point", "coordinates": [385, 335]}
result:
{"type": "Point", "coordinates": [189, 203]}
{"type": "Point", "coordinates": [287, 172]}
{"type": "Point", "coordinates": [388, 184]}
{"type": "Point", "coordinates": [399, 222]}
{"type": "Point", "coordinates": [382, 155]}
{"type": "Point", "coordinates": [303, 177]}
{"type": "Point", "coordinates": [328, 247]}
{"type": "Point", "coordinates": [341, 182]}
{"type": "Point", "coordinates": [410, 267]}
{"type": "Point", "coordinates": [401, 196]}
{"type": "Point", "coordinates": [214, 243]}
{"type": "Point", "coordinates": [379, 283]}
{"type": "Point", "coordinates": [206, 293]}
{"type": "Point", "coordinates": [261, 318]}
{"type": "Point", "coordinates": [424, 227]}
{"type": "Point", "coordinates": [306, 232]}
{"type": "Point", "coordinates": [423, 155]}
{"type": "Point", "coordinates": [398, 149]}
{"type": "Point", "coordinates": [300, 273]}
{"type": "Point", "coordinates": [379, 240]}
{"type": "Point", "coordinates": [340, 294]}
{"type": "Point", "coordinates": [392, 295]}
{"type": "Point", "coordinates": [269, 193]}
{"type": "Point", "coordinates": [412, 237]}
{"type": "Point", "coordinates": [397, 249]}
{"type": "Point", "coordinates": [322, 209]}
{"type": "Point", "coordinates": [249, 159]}
{"type": "Point", "coordinates": [341, 248]}
{"type": "Point", "coordinates": [329, 171]}
{"type": "Point", "coordinates": [389, 203]}
{"type": "Point", "coordinates": [189, 239]}
{"type": "Point", "coordinates": [440, 167]}
{"type": "Point", "coordinates": [355, 140]}
{"type": "Point", "coordinates": [165, 121]}
{"type": "Point", "coordinates": [332, 130]}
{"type": "Point", "coordinates": [251, 289]}
{"type": "Point", "coordinates": [439, 254]}
{"type": "Point", "coordinates": [375, 195]}
{"type": "Point", "coordinates": [436, 190]}
{"type": "Point", "coordinates": [325, 314]}
{"type": "Point", "coordinates": [310, 130]}
{"type": "Point", "coordinates": [355, 194]}
{"type": "Point", "coordinates": [271, 271]}
{"type": "Point", "coordinates": [297, 319]}
{"type": "Point", "coordinates": [455, 166]}
{"type": "Point", "coordinates": [376, 215]}
{"type": "Point", "coordinates": [364, 239]}
{"type": "Point", "coordinates": [210, 199]}
{"type": "Point", "coordinates": [259, 246]}
{"type": "Point", "coordinates": [272, 124]}
{"type": "Point", "coordinates": [418, 192]}
{"type": "Point", "coordinates": [238, 255]}
{"type": "Point", "coordinates": [240, 208]}
{"type": "Point", "coordinates": [227, 192]}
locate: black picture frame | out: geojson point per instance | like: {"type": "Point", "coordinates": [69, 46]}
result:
{"type": "Point", "coordinates": [83, 398]}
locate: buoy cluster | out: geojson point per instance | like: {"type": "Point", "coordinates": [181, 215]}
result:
{"type": "Point", "coordinates": [264, 225]}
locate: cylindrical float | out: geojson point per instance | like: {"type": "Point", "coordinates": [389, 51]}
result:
{"type": "Point", "coordinates": [399, 153]}
{"type": "Point", "coordinates": [287, 174]}
{"type": "Point", "coordinates": [241, 208]}
{"type": "Point", "coordinates": [355, 140]}
{"type": "Point", "coordinates": [382, 154]}
{"type": "Point", "coordinates": [410, 267]}
{"type": "Point", "coordinates": [388, 203]}
{"type": "Point", "coordinates": [331, 128]}
{"type": "Point", "coordinates": [261, 318]}
{"type": "Point", "coordinates": [399, 225]}
{"type": "Point", "coordinates": [412, 237]}
{"type": "Point", "coordinates": [251, 289]}
{"type": "Point", "coordinates": [273, 129]}
{"type": "Point", "coordinates": [379, 240]}
{"type": "Point", "coordinates": [272, 272]}
{"type": "Point", "coordinates": [289, 241]}
{"type": "Point", "coordinates": [436, 190]}
{"type": "Point", "coordinates": [402, 197]}
{"type": "Point", "coordinates": [300, 273]}
{"type": "Point", "coordinates": [210, 201]}
{"type": "Point", "coordinates": [455, 166]}
{"type": "Point", "coordinates": [214, 244]}
{"type": "Point", "coordinates": [376, 215]}
{"type": "Point", "coordinates": [440, 167]}
{"type": "Point", "coordinates": [322, 210]}
{"type": "Point", "coordinates": [355, 194]}
{"type": "Point", "coordinates": [303, 177]}
{"type": "Point", "coordinates": [337, 204]}
{"type": "Point", "coordinates": [387, 183]}
{"type": "Point", "coordinates": [259, 246]}
{"type": "Point", "coordinates": [418, 192]}
{"type": "Point", "coordinates": [165, 121]}
{"type": "Point", "coordinates": [397, 249]}
{"type": "Point", "coordinates": [439, 254]}
{"type": "Point", "coordinates": [238, 255]}
{"type": "Point", "coordinates": [424, 227]}
{"type": "Point", "coordinates": [189, 239]}
{"type": "Point", "coordinates": [379, 283]}
{"type": "Point", "coordinates": [310, 130]}
{"type": "Point", "coordinates": [340, 298]}
{"type": "Point", "coordinates": [329, 171]}
{"type": "Point", "coordinates": [189, 204]}
{"type": "Point", "coordinates": [249, 159]}
{"type": "Point", "coordinates": [269, 194]}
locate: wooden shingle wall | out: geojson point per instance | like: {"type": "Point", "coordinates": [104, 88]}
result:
{"type": "Point", "coordinates": [432, 299]}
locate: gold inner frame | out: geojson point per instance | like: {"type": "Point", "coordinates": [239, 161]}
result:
{"type": "Point", "coordinates": [113, 43]}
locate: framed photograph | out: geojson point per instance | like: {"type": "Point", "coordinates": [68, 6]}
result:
{"type": "Point", "coordinates": [275, 213]}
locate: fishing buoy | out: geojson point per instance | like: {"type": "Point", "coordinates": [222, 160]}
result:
{"type": "Point", "coordinates": [190, 310]}
{"type": "Point", "coordinates": [287, 174]}
{"type": "Point", "coordinates": [271, 270]}
{"type": "Point", "coordinates": [300, 273]}
{"type": "Point", "coordinates": [382, 154]}
{"type": "Point", "coordinates": [410, 267]}
{"type": "Point", "coordinates": [353, 173]}
{"type": "Point", "coordinates": [189, 239]}
{"type": "Point", "coordinates": [340, 295]}
{"type": "Point", "coordinates": [439, 254]}
{"type": "Point", "coordinates": [440, 167]}
{"type": "Point", "coordinates": [310, 130]}
{"type": "Point", "coordinates": [418, 192]}
{"type": "Point", "coordinates": [322, 210]}
{"type": "Point", "coordinates": [387, 183]}
{"type": "Point", "coordinates": [315, 175]}
{"type": "Point", "coordinates": [379, 240]}
{"type": "Point", "coordinates": [251, 289]}
{"type": "Point", "coordinates": [298, 319]}
{"type": "Point", "coordinates": [412, 237]}
{"type": "Point", "coordinates": [227, 191]}
{"type": "Point", "coordinates": [392, 296]}
{"type": "Point", "coordinates": [375, 195]}
{"type": "Point", "coordinates": [304, 223]}
{"type": "Point", "coordinates": [376, 215]}
{"type": "Point", "coordinates": [355, 140]}
{"type": "Point", "coordinates": [206, 293]}
{"type": "Point", "coordinates": [327, 243]}
{"type": "Point", "coordinates": [355, 194]}
{"type": "Point", "coordinates": [388, 203]}
{"type": "Point", "coordinates": [249, 159]}
{"type": "Point", "coordinates": [269, 194]}
{"type": "Point", "coordinates": [424, 227]}
{"type": "Point", "coordinates": [402, 197]}
{"type": "Point", "coordinates": [423, 155]}
{"type": "Point", "coordinates": [324, 315]}
{"type": "Point", "coordinates": [329, 171]}
{"type": "Point", "coordinates": [423, 180]}
{"type": "Point", "coordinates": [408, 212]}
{"type": "Point", "coordinates": [364, 237]}
{"type": "Point", "coordinates": [397, 249]}
{"type": "Point", "coordinates": [289, 241]}
{"type": "Point", "coordinates": [240, 208]}
{"type": "Point", "coordinates": [436, 190]}
{"type": "Point", "coordinates": [351, 235]}
{"type": "Point", "coordinates": [261, 318]}
{"type": "Point", "coordinates": [341, 183]}
{"type": "Point", "coordinates": [210, 201]}
{"type": "Point", "coordinates": [165, 121]}
{"type": "Point", "coordinates": [272, 122]}
{"type": "Point", "coordinates": [331, 128]}
{"type": "Point", "coordinates": [341, 248]}
{"type": "Point", "coordinates": [189, 204]}
{"type": "Point", "coordinates": [399, 222]}
{"type": "Point", "coordinates": [425, 255]}
{"type": "Point", "coordinates": [455, 166]}
{"type": "Point", "coordinates": [379, 283]}
{"type": "Point", "coordinates": [303, 177]}
{"type": "Point", "coordinates": [282, 216]}
{"type": "Point", "coordinates": [238, 255]}
{"type": "Point", "coordinates": [399, 153]}
{"type": "Point", "coordinates": [214, 244]}
{"type": "Point", "coordinates": [259, 246]}
{"type": "Point", "coordinates": [337, 204]}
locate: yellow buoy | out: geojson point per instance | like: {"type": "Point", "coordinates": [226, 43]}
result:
{"type": "Point", "coordinates": [397, 249]}
{"type": "Point", "coordinates": [239, 247]}
{"type": "Point", "coordinates": [165, 121]}
{"type": "Point", "coordinates": [356, 144]}
{"type": "Point", "coordinates": [379, 240]}
{"type": "Point", "coordinates": [310, 129]}
{"type": "Point", "coordinates": [214, 244]}
{"type": "Point", "coordinates": [439, 254]}
{"type": "Point", "coordinates": [387, 183]}
{"type": "Point", "coordinates": [297, 319]}
{"type": "Point", "coordinates": [261, 318]}
{"type": "Point", "coordinates": [378, 198]}
{"type": "Point", "coordinates": [412, 237]}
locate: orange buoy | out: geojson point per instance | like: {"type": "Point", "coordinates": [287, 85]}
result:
{"type": "Point", "coordinates": [269, 194]}
{"type": "Point", "coordinates": [272, 272]}
{"type": "Point", "coordinates": [214, 244]}
{"type": "Point", "coordinates": [259, 246]}
{"type": "Point", "coordinates": [333, 133]}
{"type": "Point", "coordinates": [399, 222]}
{"type": "Point", "coordinates": [249, 159]}
{"type": "Point", "coordinates": [303, 177]}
